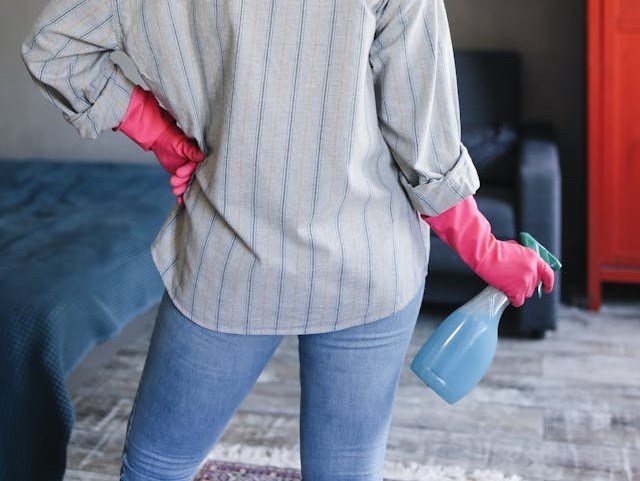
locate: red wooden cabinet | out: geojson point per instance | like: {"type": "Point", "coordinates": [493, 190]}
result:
{"type": "Point", "coordinates": [613, 112]}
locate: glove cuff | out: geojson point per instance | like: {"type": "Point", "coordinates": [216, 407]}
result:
{"type": "Point", "coordinates": [464, 229]}
{"type": "Point", "coordinates": [145, 120]}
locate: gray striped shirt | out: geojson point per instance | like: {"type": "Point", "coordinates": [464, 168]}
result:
{"type": "Point", "coordinates": [328, 125]}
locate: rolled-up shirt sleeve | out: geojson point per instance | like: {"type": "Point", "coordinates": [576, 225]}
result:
{"type": "Point", "coordinates": [417, 103]}
{"type": "Point", "coordinates": [68, 54]}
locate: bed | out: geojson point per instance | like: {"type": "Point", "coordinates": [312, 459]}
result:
{"type": "Point", "coordinates": [75, 267]}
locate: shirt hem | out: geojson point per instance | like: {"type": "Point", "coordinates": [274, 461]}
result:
{"type": "Point", "coordinates": [226, 328]}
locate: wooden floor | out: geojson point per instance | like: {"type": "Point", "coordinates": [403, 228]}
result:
{"type": "Point", "coordinates": [563, 408]}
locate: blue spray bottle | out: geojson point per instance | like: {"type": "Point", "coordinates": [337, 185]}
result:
{"type": "Point", "coordinates": [458, 354]}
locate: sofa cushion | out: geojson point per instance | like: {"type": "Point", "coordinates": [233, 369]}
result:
{"type": "Point", "coordinates": [498, 206]}
{"type": "Point", "coordinates": [493, 150]}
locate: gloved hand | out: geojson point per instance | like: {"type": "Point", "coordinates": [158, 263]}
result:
{"type": "Point", "coordinates": [180, 180]}
{"type": "Point", "coordinates": [506, 265]}
{"type": "Point", "coordinates": [153, 128]}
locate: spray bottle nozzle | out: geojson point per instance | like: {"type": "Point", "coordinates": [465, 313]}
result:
{"type": "Point", "coordinates": [527, 240]}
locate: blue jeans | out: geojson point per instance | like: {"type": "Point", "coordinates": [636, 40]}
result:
{"type": "Point", "coordinates": [194, 380]}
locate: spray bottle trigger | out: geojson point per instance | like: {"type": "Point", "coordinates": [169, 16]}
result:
{"type": "Point", "coordinates": [527, 240]}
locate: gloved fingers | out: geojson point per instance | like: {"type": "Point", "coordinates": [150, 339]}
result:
{"type": "Point", "coordinates": [179, 190]}
{"type": "Point", "coordinates": [190, 150]}
{"type": "Point", "coordinates": [176, 180]}
{"type": "Point", "coordinates": [179, 184]}
{"type": "Point", "coordinates": [187, 169]}
{"type": "Point", "coordinates": [546, 276]}
{"type": "Point", "coordinates": [174, 149]}
{"type": "Point", "coordinates": [179, 181]}
{"type": "Point", "coordinates": [517, 300]}
{"type": "Point", "coordinates": [179, 200]}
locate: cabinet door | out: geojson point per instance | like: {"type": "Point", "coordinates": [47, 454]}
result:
{"type": "Point", "coordinates": [620, 168]}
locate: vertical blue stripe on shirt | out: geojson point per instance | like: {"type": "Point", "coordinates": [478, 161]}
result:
{"type": "Point", "coordinates": [226, 161]}
{"type": "Point", "coordinates": [287, 163]}
{"type": "Point", "coordinates": [256, 169]}
{"type": "Point", "coordinates": [346, 185]}
{"type": "Point", "coordinates": [185, 73]}
{"type": "Point", "coordinates": [317, 161]}
{"type": "Point", "coordinates": [416, 136]}
{"type": "Point", "coordinates": [224, 276]}
{"type": "Point", "coordinates": [154, 55]}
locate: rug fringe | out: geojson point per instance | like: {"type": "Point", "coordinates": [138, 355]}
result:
{"type": "Point", "coordinates": [284, 457]}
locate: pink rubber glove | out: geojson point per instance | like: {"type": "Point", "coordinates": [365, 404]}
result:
{"type": "Point", "coordinates": [153, 128]}
{"type": "Point", "coordinates": [506, 265]}
{"type": "Point", "coordinates": [180, 180]}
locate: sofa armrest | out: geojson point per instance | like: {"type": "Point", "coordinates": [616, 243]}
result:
{"type": "Point", "coordinates": [539, 212]}
{"type": "Point", "coordinates": [539, 187]}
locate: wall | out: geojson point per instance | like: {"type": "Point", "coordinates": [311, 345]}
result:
{"type": "Point", "coordinates": [548, 33]}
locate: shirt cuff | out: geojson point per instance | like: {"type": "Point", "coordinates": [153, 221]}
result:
{"type": "Point", "coordinates": [109, 108]}
{"type": "Point", "coordinates": [436, 195]}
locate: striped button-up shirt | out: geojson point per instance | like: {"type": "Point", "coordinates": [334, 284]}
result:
{"type": "Point", "coordinates": [328, 126]}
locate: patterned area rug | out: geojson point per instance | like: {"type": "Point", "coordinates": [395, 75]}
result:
{"type": "Point", "coordinates": [228, 471]}
{"type": "Point", "coordinates": [225, 471]}
{"type": "Point", "coordinates": [253, 463]}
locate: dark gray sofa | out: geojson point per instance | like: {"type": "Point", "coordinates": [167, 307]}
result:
{"type": "Point", "coordinates": [519, 173]}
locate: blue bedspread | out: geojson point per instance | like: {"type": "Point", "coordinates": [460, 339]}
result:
{"type": "Point", "coordinates": [75, 266]}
